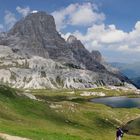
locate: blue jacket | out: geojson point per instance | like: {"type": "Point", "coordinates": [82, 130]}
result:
{"type": "Point", "coordinates": [119, 133]}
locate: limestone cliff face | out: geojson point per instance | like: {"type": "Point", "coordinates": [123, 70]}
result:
{"type": "Point", "coordinates": [96, 55]}
{"type": "Point", "coordinates": [83, 56]}
{"type": "Point", "coordinates": [38, 28]}
{"type": "Point", "coordinates": [34, 55]}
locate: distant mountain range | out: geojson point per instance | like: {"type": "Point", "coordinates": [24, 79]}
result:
{"type": "Point", "coordinates": [132, 70]}
{"type": "Point", "coordinates": [34, 55]}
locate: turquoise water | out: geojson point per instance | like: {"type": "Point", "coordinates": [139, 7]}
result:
{"type": "Point", "coordinates": [118, 102]}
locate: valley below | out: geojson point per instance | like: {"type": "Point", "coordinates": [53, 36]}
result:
{"type": "Point", "coordinates": [66, 114]}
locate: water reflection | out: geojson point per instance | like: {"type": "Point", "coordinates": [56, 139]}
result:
{"type": "Point", "coordinates": [118, 102]}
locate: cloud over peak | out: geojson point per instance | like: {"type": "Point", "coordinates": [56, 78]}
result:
{"type": "Point", "coordinates": [98, 35]}
{"type": "Point", "coordinates": [92, 30]}
{"type": "Point", "coordinates": [109, 38]}
{"type": "Point", "coordinates": [23, 11]}
{"type": "Point", "coordinates": [77, 14]}
{"type": "Point", "coordinates": [9, 19]}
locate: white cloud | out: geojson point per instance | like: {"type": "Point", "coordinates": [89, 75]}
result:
{"type": "Point", "coordinates": [123, 48]}
{"type": "Point", "coordinates": [110, 39]}
{"type": "Point", "coordinates": [1, 27]}
{"type": "Point", "coordinates": [62, 16]}
{"type": "Point", "coordinates": [84, 14]}
{"type": "Point", "coordinates": [23, 11]}
{"type": "Point", "coordinates": [113, 35]}
{"type": "Point", "coordinates": [9, 19]}
{"type": "Point", "coordinates": [135, 33]}
{"type": "Point", "coordinates": [103, 34]}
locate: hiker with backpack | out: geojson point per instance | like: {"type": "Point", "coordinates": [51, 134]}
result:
{"type": "Point", "coordinates": [119, 133]}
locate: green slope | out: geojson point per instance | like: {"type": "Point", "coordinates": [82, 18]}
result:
{"type": "Point", "coordinates": [59, 117]}
{"type": "Point", "coordinates": [133, 127]}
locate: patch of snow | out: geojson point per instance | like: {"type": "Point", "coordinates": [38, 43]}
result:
{"type": "Point", "coordinates": [55, 106]}
{"type": "Point", "coordinates": [34, 11]}
{"type": "Point", "coordinates": [93, 93]}
{"type": "Point", "coordinates": [30, 96]}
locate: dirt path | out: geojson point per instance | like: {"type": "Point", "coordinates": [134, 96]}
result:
{"type": "Point", "coordinates": [9, 137]}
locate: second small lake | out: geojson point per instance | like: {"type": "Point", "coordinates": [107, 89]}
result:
{"type": "Point", "coordinates": [118, 102]}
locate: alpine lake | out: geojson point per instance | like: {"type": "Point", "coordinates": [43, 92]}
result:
{"type": "Point", "coordinates": [118, 102]}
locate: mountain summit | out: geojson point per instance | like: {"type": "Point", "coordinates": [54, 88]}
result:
{"type": "Point", "coordinates": [39, 28]}
{"type": "Point", "coordinates": [36, 56]}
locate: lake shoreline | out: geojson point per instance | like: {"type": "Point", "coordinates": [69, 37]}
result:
{"type": "Point", "coordinates": [118, 101]}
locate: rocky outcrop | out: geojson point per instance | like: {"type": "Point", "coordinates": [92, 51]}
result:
{"type": "Point", "coordinates": [34, 55]}
{"type": "Point", "coordinates": [36, 35]}
{"type": "Point", "coordinates": [38, 73]}
{"type": "Point", "coordinates": [84, 58]}
{"type": "Point", "coordinates": [74, 43]}
{"type": "Point", "coordinates": [39, 28]}
{"type": "Point", "coordinates": [96, 55]}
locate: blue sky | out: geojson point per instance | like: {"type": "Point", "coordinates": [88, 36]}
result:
{"type": "Point", "coordinates": [110, 26]}
{"type": "Point", "coordinates": [123, 13]}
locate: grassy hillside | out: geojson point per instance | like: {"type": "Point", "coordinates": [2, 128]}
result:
{"type": "Point", "coordinates": [133, 127]}
{"type": "Point", "coordinates": [62, 115]}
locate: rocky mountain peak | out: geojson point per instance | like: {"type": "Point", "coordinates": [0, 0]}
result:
{"type": "Point", "coordinates": [73, 42]}
{"type": "Point", "coordinates": [38, 28]}
{"type": "Point", "coordinates": [34, 35]}
{"type": "Point", "coordinates": [34, 23]}
{"type": "Point", "coordinates": [42, 58]}
{"type": "Point", "coordinates": [71, 39]}
{"type": "Point", "coordinates": [96, 55]}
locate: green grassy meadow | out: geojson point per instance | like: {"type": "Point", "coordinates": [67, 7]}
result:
{"type": "Point", "coordinates": [62, 115]}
